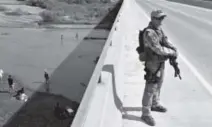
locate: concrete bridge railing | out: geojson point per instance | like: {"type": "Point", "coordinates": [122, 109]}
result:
{"type": "Point", "coordinates": [101, 105]}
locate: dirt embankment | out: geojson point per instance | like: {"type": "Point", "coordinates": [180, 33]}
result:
{"type": "Point", "coordinates": [32, 13]}
{"type": "Point", "coordinates": [72, 11]}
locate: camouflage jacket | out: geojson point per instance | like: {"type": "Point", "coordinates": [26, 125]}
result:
{"type": "Point", "coordinates": [157, 47]}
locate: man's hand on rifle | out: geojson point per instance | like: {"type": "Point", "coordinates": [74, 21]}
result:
{"type": "Point", "coordinates": [173, 62]}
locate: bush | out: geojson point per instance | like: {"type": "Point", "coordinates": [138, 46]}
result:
{"type": "Point", "coordinates": [48, 16]}
{"type": "Point", "coordinates": [54, 16]}
{"type": "Point", "coordinates": [3, 8]}
{"type": "Point", "coordinates": [17, 11]}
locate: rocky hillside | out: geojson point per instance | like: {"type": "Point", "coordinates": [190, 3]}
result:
{"type": "Point", "coordinates": [51, 3]}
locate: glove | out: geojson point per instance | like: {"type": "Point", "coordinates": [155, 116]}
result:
{"type": "Point", "coordinates": [173, 54]}
{"type": "Point", "coordinates": [175, 50]}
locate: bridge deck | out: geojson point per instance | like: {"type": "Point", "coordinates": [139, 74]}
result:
{"type": "Point", "coordinates": [188, 101]}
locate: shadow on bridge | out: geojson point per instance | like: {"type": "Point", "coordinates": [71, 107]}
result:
{"type": "Point", "coordinates": [119, 104]}
{"type": "Point", "coordinates": [68, 82]}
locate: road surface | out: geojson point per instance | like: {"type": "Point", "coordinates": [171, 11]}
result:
{"type": "Point", "coordinates": [189, 100]}
{"type": "Point", "coordinates": [192, 34]}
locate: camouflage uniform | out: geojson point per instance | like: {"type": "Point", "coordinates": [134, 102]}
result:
{"type": "Point", "coordinates": [156, 49]}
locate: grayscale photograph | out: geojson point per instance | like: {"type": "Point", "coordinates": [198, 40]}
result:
{"type": "Point", "coordinates": [105, 63]}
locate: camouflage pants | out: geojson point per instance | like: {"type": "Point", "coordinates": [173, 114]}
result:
{"type": "Point", "coordinates": [151, 95]}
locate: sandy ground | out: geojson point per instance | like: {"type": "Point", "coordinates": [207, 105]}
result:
{"type": "Point", "coordinates": [25, 53]}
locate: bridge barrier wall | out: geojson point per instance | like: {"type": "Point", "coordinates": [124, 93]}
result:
{"type": "Point", "coordinates": [101, 105]}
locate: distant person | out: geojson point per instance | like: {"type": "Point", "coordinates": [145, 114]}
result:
{"type": "Point", "coordinates": [77, 36]}
{"type": "Point", "coordinates": [46, 77]}
{"type": "Point", "coordinates": [20, 95]}
{"type": "Point", "coordinates": [62, 112]}
{"type": "Point", "coordinates": [19, 92]}
{"type": "Point", "coordinates": [61, 39]}
{"type": "Point", "coordinates": [10, 83]}
{"type": "Point", "coordinates": [1, 75]}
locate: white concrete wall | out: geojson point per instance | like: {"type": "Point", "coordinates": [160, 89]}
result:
{"type": "Point", "coordinates": [106, 107]}
{"type": "Point", "coordinates": [102, 110]}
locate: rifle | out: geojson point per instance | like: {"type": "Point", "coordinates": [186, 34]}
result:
{"type": "Point", "coordinates": [174, 64]}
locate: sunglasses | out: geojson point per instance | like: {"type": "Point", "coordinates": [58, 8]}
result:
{"type": "Point", "coordinates": [160, 18]}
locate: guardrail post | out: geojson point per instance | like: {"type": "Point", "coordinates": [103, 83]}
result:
{"type": "Point", "coordinates": [110, 43]}
{"type": "Point", "coordinates": [100, 78]}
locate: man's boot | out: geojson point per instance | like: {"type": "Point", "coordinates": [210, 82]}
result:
{"type": "Point", "coordinates": [158, 108]}
{"type": "Point", "coordinates": [148, 120]}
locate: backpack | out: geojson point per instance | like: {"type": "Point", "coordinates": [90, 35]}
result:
{"type": "Point", "coordinates": [140, 48]}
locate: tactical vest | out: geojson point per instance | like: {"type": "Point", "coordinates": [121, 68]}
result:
{"type": "Point", "coordinates": [150, 55]}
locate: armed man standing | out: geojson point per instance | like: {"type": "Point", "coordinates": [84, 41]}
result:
{"type": "Point", "coordinates": [155, 45]}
